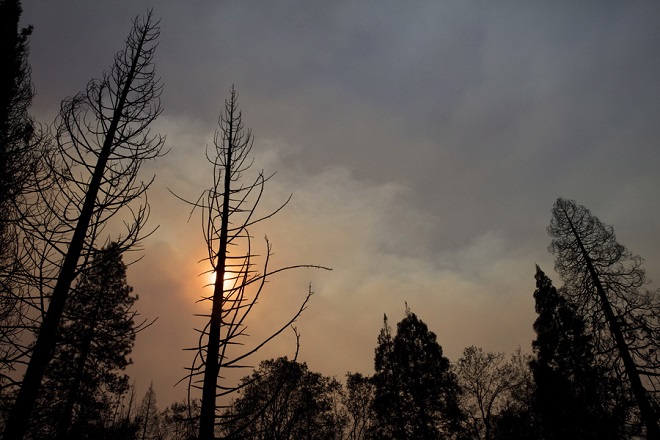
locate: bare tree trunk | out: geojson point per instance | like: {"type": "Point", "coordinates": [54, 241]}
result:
{"type": "Point", "coordinates": [229, 197]}
{"type": "Point", "coordinates": [649, 417]}
{"type": "Point", "coordinates": [17, 423]}
{"type": "Point", "coordinates": [207, 415]}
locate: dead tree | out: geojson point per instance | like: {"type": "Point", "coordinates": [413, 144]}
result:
{"type": "Point", "coordinates": [103, 137]}
{"type": "Point", "coordinates": [229, 210]}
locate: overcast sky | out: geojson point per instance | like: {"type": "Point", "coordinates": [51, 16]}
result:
{"type": "Point", "coordinates": [424, 143]}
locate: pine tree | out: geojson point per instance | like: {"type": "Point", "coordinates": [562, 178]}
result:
{"type": "Point", "coordinates": [20, 153]}
{"type": "Point", "coordinates": [149, 418]}
{"type": "Point", "coordinates": [416, 393]}
{"type": "Point", "coordinates": [574, 398]}
{"type": "Point", "coordinates": [93, 349]}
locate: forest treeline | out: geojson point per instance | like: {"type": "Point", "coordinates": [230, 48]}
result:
{"type": "Point", "coordinates": [73, 205]}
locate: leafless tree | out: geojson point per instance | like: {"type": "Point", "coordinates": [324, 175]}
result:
{"type": "Point", "coordinates": [229, 210]}
{"type": "Point", "coordinates": [486, 380]}
{"type": "Point", "coordinates": [103, 137]}
{"type": "Point", "coordinates": [607, 283]}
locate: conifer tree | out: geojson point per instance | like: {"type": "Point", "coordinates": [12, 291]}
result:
{"type": "Point", "coordinates": [607, 284]}
{"type": "Point", "coordinates": [149, 418]}
{"type": "Point", "coordinates": [416, 393]}
{"type": "Point", "coordinates": [21, 147]}
{"type": "Point", "coordinates": [574, 398]}
{"type": "Point", "coordinates": [93, 349]}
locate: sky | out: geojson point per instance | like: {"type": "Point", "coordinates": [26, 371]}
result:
{"type": "Point", "coordinates": [424, 143]}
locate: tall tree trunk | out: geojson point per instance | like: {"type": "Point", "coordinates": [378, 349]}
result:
{"type": "Point", "coordinates": [207, 414]}
{"type": "Point", "coordinates": [649, 417]}
{"type": "Point", "coordinates": [17, 423]}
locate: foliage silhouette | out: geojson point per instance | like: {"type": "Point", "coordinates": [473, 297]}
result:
{"type": "Point", "coordinates": [574, 397]}
{"type": "Point", "coordinates": [358, 401]}
{"type": "Point", "coordinates": [283, 399]}
{"type": "Point", "coordinates": [416, 392]}
{"type": "Point", "coordinates": [97, 336]}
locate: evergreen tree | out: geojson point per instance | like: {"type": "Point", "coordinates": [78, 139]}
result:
{"type": "Point", "coordinates": [574, 398]}
{"type": "Point", "coordinates": [416, 393]}
{"type": "Point", "coordinates": [20, 152]}
{"type": "Point", "coordinates": [149, 419]}
{"type": "Point", "coordinates": [93, 349]}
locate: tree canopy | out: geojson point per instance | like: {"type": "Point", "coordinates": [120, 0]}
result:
{"type": "Point", "coordinates": [416, 392]}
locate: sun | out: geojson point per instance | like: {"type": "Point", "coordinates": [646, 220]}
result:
{"type": "Point", "coordinates": [229, 279]}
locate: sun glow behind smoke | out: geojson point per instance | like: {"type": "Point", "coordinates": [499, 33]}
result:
{"type": "Point", "coordinates": [228, 283]}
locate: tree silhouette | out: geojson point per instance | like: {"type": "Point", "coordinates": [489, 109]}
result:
{"type": "Point", "coordinates": [181, 420]}
{"type": "Point", "coordinates": [606, 282]}
{"type": "Point", "coordinates": [574, 398]}
{"type": "Point", "coordinates": [149, 419]}
{"type": "Point", "coordinates": [282, 399]}
{"type": "Point", "coordinates": [97, 336]}
{"type": "Point", "coordinates": [21, 147]}
{"type": "Point", "coordinates": [358, 401]}
{"type": "Point", "coordinates": [229, 210]}
{"type": "Point", "coordinates": [416, 393]}
{"type": "Point", "coordinates": [486, 380]}
{"type": "Point", "coordinates": [516, 419]}
{"type": "Point", "coordinates": [103, 137]}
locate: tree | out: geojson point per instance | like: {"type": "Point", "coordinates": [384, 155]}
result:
{"type": "Point", "coordinates": [486, 380]}
{"type": "Point", "coordinates": [97, 337]}
{"type": "Point", "coordinates": [21, 148]}
{"type": "Point", "coordinates": [121, 423]}
{"type": "Point", "coordinates": [149, 418]}
{"type": "Point", "coordinates": [282, 399]}
{"type": "Point", "coordinates": [574, 398]}
{"type": "Point", "coordinates": [181, 420]}
{"type": "Point", "coordinates": [358, 401]}
{"type": "Point", "coordinates": [416, 393]}
{"type": "Point", "coordinates": [606, 282]}
{"type": "Point", "coordinates": [103, 137]}
{"type": "Point", "coordinates": [516, 419]}
{"type": "Point", "coordinates": [231, 261]}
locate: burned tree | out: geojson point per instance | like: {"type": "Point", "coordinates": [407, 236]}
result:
{"type": "Point", "coordinates": [229, 210]}
{"type": "Point", "coordinates": [103, 137]}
